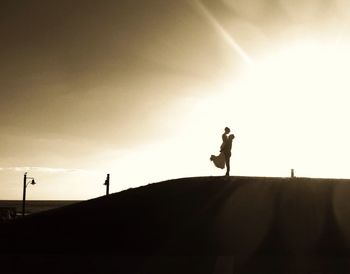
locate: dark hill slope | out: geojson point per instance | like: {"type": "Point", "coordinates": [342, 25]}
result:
{"type": "Point", "coordinates": [251, 219]}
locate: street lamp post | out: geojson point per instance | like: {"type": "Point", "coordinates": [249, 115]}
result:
{"type": "Point", "coordinates": [25, 184]}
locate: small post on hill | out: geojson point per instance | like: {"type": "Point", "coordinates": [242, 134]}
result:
{"type": "Point", "coordinates": [292, 173]}
{"type": "Point", "coordinates": [107, 184]}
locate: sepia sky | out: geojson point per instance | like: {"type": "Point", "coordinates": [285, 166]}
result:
{"type": "Point", "coordinates": [143, 89]}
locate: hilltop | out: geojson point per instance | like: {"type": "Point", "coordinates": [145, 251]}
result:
{"type": "Point", "coordinates": [257, 224]}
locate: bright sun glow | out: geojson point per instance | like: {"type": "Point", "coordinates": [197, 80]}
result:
{"type": "Point", "coordinates": [290, 110]}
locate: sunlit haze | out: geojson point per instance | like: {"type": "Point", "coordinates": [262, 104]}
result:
{"type": "Point", "coordinates": [143, 91]}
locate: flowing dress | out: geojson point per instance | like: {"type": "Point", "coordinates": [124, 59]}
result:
{"type": "Point", "coordinates": [219, 161]}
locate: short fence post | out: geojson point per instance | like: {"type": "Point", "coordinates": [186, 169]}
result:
{"type": "Point", "coordinates": [107, 184]}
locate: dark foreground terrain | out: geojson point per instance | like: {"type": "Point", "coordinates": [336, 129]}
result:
{"type": "Point", "coordinates": [194, 225]}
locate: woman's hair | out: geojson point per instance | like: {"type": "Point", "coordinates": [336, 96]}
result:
{"type": "Point", "coordinates": [227, 129]}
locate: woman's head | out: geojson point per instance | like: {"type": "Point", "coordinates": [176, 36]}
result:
{"type": "Point", "coordinates": [227, 130]}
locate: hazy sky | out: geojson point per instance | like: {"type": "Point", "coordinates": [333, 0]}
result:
{"type": "Point", "coordinates": [143, 90]}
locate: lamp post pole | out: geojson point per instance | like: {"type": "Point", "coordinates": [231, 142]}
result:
{"type": "Point", "coordinates": [25, 178]}
{"type": "Point", "coordinates": [24, 193]}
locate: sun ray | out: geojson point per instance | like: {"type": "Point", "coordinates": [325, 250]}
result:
{"type": "Point", "coordinates": [222, 32]}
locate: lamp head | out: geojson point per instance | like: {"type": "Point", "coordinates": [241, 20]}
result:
{"type": "Point", "coordinates": [33, 182]}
